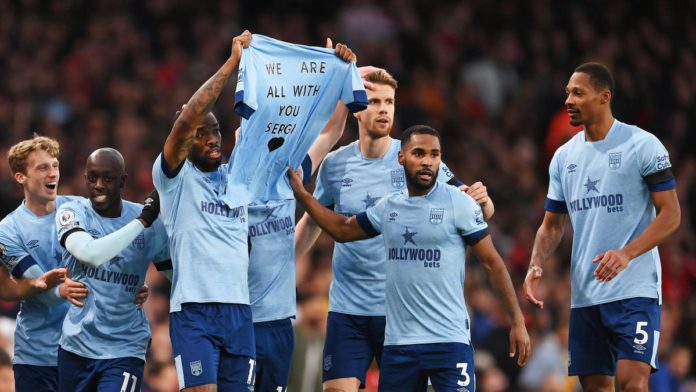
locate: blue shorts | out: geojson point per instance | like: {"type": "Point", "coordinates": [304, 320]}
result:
{"type": "Point", "coordinates": [602, 334]}
{"type": "Point", "coordinates": [31, 378]}
{"type": "Point", "coordinates": [274, 343]}
{"type": "Point", "coordinates": [351, 343]}
{"type": "Point", "coordinates": [450, 367]}
{"type": "Point", "coordinates": [77, 373]}
{"type": "Point", "coordinates": [213, 343]}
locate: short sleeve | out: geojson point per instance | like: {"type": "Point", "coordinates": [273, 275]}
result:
{"type": "Point", "coordinates": [353, 94]}
{"type": "Point", "coordinates": [445, 174]}
{"type": "Point", "coordinates": [245, 103]}
{"type": "Point", "coordinates": [652, 155]}
{"type": "Point", "coordinates": [163, 177]}
{"type": "Point", "coordinates": [161, 245]}
{"type": "Point", "coordinates": [322, 192]}
{"type": "Point", "coordinates": [555, 200]}
{"type": "Point", "coordinates": [375, 213]}
{"type": "Point", "coordinates": [468, 218]}
{"type": "Point", "coordinates": [13, 256]}
{"type": "Point", "coordinates": [69, 218]}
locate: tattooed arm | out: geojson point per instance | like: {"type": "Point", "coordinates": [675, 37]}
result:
{"type": "Point", "coordinates": [183, 132]}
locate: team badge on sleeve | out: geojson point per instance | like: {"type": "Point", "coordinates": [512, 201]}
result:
{"type": "Point", "coordinates": [614, 160]}
{"type": "Point", "coordinates": [67, 217]}
{"type": "Point", "coordinates": [436, 215]}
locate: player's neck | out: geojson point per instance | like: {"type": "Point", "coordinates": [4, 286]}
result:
{"type": "Point", "coordinates": [415, 192]}
{"type": "Point", "coordinates": [599, 129]}
{"type": "Point", "coordinates": [374, 147]}
{"type": "Point", "coordinates": [39, 207]}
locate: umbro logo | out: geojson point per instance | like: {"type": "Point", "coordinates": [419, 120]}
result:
{"type": "Point", "coordinates": [347, 182]}
{"type": "Point", "coordinates": [392, 216]}
{"type": "Point", "coordinates": [572, 168]}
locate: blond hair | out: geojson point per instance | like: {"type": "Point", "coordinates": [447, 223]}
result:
{"type": "Point", "coordinates": [381, 76]}
{"type": "Point", "coordinates": [18, 154]}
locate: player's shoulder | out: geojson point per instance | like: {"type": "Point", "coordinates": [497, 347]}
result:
{"type": "Point", "coordinates": [64, 199]}
{"type": "Point", "coordinates": [9, 219]}
{"type": "Point", "coordinates": [76, 203]}
{"type": "Point", "coordinates": [454, 194]}
{"type": "Point", "coordinates": [340, 155]}
{"type": "Point", "coordinates": [638, 135]}
{"type": "Point", "coordinates": [131, 208]}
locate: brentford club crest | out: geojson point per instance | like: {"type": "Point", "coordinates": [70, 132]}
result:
{"type": "Point", "coordinates": [196, 368]}
{"type": "Point", "coordinates": [614, 160]}
{"type": "Point", "coordinates": [398, 180]}
{"type": "Point", "coordinates": [436, 215]}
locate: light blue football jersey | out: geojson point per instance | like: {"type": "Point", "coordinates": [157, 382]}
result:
{"type": "Point", "coordinates": [272, 260]}
{"type": "Point", "coordinates": [26, 240]}
{"type": "Point", "coordinates": [425, 240]}
{"type": "Point", "coordinates": [208, 239]}
{"type": "Point", "coordinates": [110, 325]}
{"type": "Point", "coordinates": [601, 186]}
{"type": "Point", "coordinates": [352, 183]}
{"type": "Point", "coordinates": [286, 94]}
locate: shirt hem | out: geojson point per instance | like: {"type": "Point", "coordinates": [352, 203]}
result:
{"type": "Point", "coordinates": [427, 341]}
{"type": "Point", "coordinates": [604, 301]}
{"type": "Point", "coordinates": [74, 351]}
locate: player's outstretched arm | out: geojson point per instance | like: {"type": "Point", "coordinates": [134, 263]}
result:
{"type": "Point", "coordinates": [546, 241]}
{"type": "Point", "coordinates": [340, 228]}
{"type": "Point", "coordinates": [306, 233]}
{"type": "Point", "coordinates": [479, 193]}
{"type": "Point", "coordinates": [96, 252]}
{"type": "Point", "coordinates": [12, 289]}
{"type": "Point", "coordinates": [500, 278]}
{"type": "Point", "coordinates": [667, 220]}
{"type": "Point", "coordinates": [184, 129]}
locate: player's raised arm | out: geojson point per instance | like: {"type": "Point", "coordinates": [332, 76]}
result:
{"type": "Point", "coordinates": [546, 241]}
{"type": "Point", "coordinates": [334, 128]}
{"type": "Point", "coordinates": [500, 278]}
{"type": "Point", "coordinates": [184, 129]}
{"type": "Point", "coordinates": [340, 228]}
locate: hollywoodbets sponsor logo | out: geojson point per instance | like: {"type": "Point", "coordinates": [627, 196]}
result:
{"type": "Point", "coordinates": [429, 257]}
{"type": "Point", "coordinates": [613, 203]}
{"type": "Point", "coordinates": [269, 227]}
{"type": "Point", "coordinates": [222, 210]}
{"type": "Point", "coordinates": [109, 276]}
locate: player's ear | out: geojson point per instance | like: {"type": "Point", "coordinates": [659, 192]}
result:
{"type": "Point", "coordinates": [20, 178]}
{"type": "Point", "coordinates": [401, 158]}
{"type": "Point", "coordinates": [124, 177]}
{"type": "Point", "coordinates": [605, 96]}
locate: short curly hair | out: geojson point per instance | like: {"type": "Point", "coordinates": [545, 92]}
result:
{"type": "Point", "coordinates": [19, 153]}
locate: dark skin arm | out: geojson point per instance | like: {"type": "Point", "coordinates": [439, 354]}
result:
{"type": "Point", "coordinates": [545, 243]}
{"type": "Point", "coordinates": [500, 278]}
{"type": "Point", "coordinates": [340, 228]}
{"type": "Point", "coordinates": [183, 131]}
{"type": "Point", "coordinates": [666, 221]}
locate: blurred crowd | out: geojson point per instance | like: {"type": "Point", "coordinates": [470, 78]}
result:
{"type": "Point", "coordinates": [489, 75]}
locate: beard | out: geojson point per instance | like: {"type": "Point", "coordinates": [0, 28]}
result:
{"type": "Point", "coordinates": [417, 183]}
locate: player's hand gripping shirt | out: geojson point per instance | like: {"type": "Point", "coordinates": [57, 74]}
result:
{"type": "Point", "coordinates": [27, 240]}
{"type": "Point", "coordinates": [425, 240]}
{"type": "Point", "coordinates": [602, 186]}
{"type": "Point", "coordinates": [286, 94]}
{"type": "Point", "coordinates": [208, 239]}
{"type": "Point", "coordinates": [110, 325]}
{"type": "Point", "coordinates": [351, 183]}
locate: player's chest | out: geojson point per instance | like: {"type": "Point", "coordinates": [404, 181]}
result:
{"type": "Point", "coordinates": [362, 185]}
{"type": "Point", "coordinates": [589, 172]}
{"type": "Point", "coordinates": [420, 225]}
